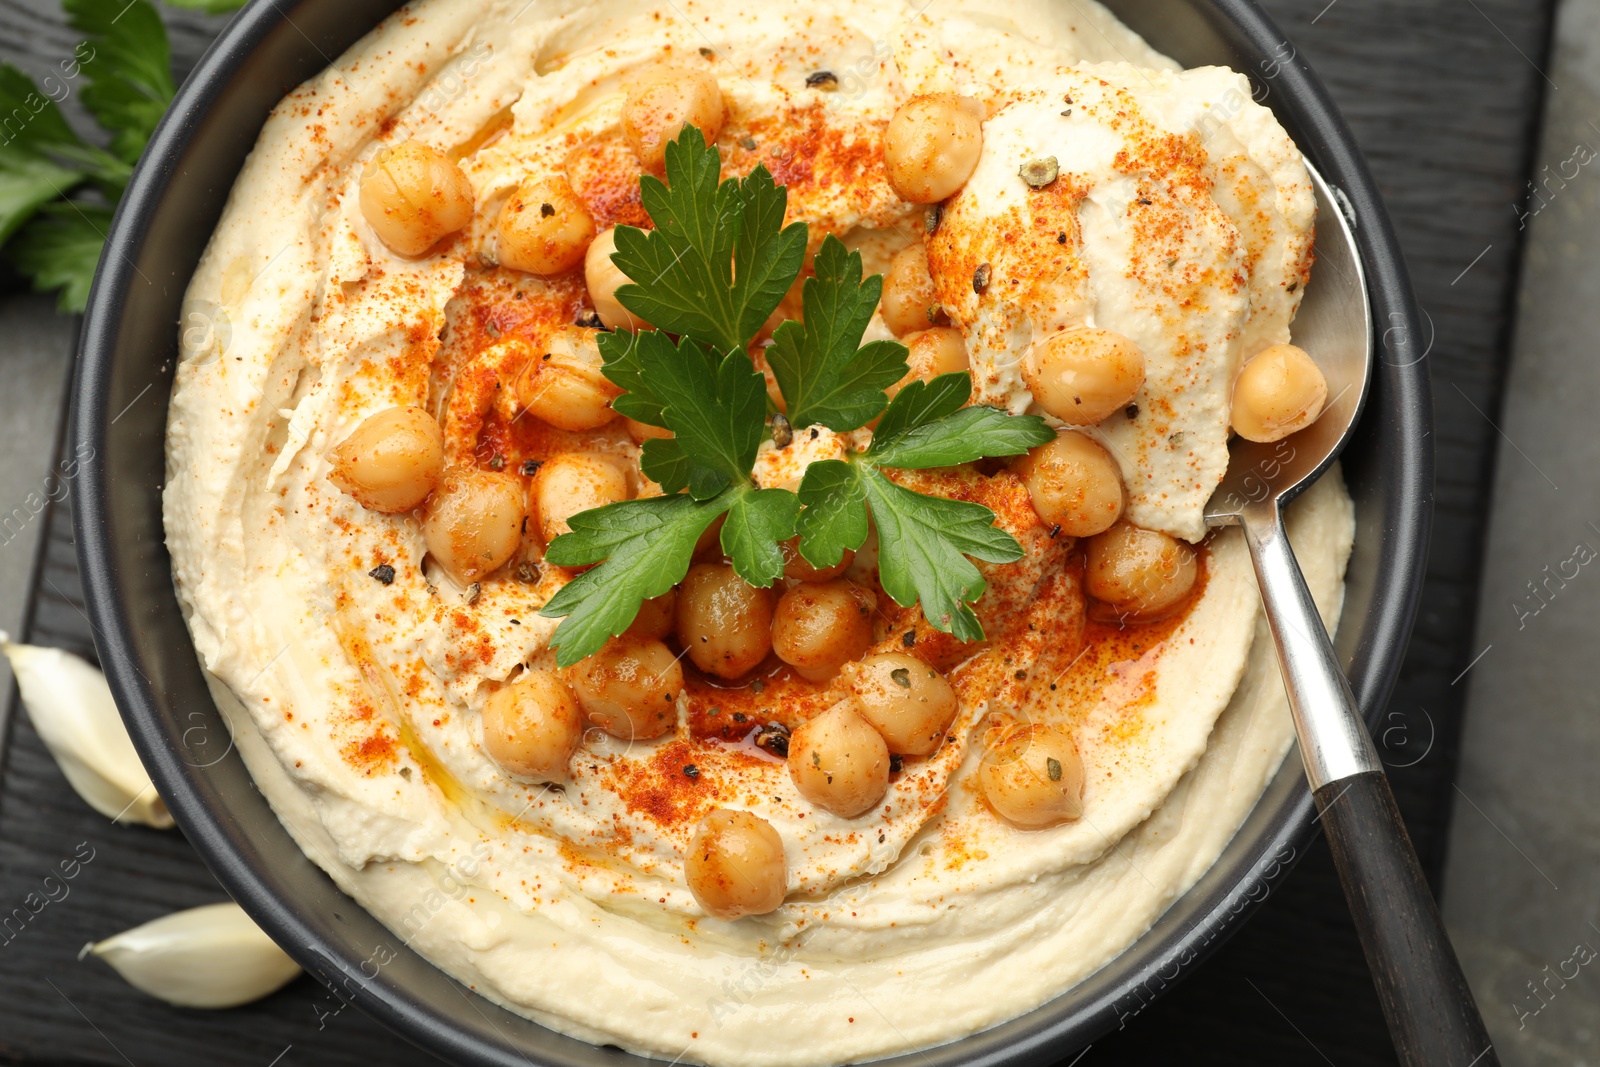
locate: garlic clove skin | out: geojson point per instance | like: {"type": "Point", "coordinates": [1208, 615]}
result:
{"type": "Point", "coordinates": [71, 708]}
{"type": "Point", "coordinates": [209, 957]}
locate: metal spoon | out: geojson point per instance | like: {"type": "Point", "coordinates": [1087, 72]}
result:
{"type": "Point", "coordinates": [1430, 1010]}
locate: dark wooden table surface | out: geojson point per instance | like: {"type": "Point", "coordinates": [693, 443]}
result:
{"type": "Point", "coordinates": [1444, 96]}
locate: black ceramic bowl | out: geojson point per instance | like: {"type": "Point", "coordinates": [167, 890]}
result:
{"type": "Point", "coordinates": [129, 343]}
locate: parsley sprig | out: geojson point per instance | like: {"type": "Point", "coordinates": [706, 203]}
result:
{"type": "Point", "coordinates": [58, 190]}
{"type": "Point", "coordinates": [711, 272]}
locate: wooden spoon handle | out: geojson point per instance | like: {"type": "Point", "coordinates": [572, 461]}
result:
{"type": "Point", "coordinates": [1432, 1017]}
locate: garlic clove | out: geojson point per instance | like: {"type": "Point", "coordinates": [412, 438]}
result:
{"type": "Point", "coordinates": [209, 957]}
{"type": "Point", "coordinates": [71, 707]}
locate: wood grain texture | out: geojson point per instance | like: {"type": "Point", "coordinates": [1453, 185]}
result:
{"type": "Point", "coordinates": [1444, 97]}
{"type": "Point", "coordinates": [1429, 1007]}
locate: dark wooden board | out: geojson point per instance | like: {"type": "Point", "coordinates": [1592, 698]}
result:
{"type": "Point", "coordinates": [1443, 96]}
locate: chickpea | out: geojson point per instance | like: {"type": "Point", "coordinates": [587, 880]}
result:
{"type": "Point", "coordinates": [572, 482]}
{"type": "Point", "coordinates": [656, 617]}
{"type": "Point", "coordinates": [800, 569]}
{"type": "Point", "coordinates": [735, 865]}
{"type": "Point", "coordinates": [1083, 375]}
{"type": "Point", "coordinates": [1141, 572]}
{"type": "Point", "coordinates": [839, 762]}
{"type": "Point", "coordinates": [603, 278]}
{"type": "Point", "coordinates": [570, 390]}
{"type": "Point", "coordinates": [908, 302]}
{"type": "Point", "coordinates": [532, 726]}
{"type": "Point", "coordinates": [820, 626]}
{"type": "Point", "coordinates": [413, 195]}
{"type": "Point", "coordinates": [392, 461]}
{"type": "Point", "coordinates": [1074, 484]}
{"type": "Point", "coordinates": [932, 352]}
{"type": "Point", "coordinates": [932, 145]}
{"type": "Point", "coordinates": [723, 623]}
{"type": "Point", "coordinates": [708, 546]}
{"type": "Point", "coordinates": [1277, 393]}
{"type": "Point", "coordinates": [643, 431]}
{"type": "Point", "coordinates": [1033, 777]}
{"type": "Point", "coordinates": [908, 702]}
{"type": "Point", "coordinates": [630, 688]}
{"type": "Point", "coordinates": [474, 522]}
{"type": "Point", "coordinates": [662, 103]}
{"type": "Point", "coordinates": [544, 228]}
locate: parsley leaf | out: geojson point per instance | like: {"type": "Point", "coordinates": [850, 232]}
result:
{"type": "Point", "coordinates": [926, 426]}
{"type": "Point", "coordinates": [664, 462]}
{"type": "Point", "coordinates": [715, 408]}
{"type": "Point", "coordinates": [923, 544]}
{"type": "Point", "coordinates": [919, 404]}
{"type": "Point", "coordinates": [835, 515]}
{"type": "Point", "coordinates": [624, 367]}
{"type": "Point", "coordinates": [645, 545]}
{"type": "Point", "coordinates": [757, 521]}
{"type": "Point", "coordinates": [60, 249]}
{"type": "Point", "coordinates": [209, 7]}
{"type": "Point", "coordinates": [129, 82]}
{"type": "Point", "coordinates": [824, 376]}
{"type": "Point", "coordinates": [126, 66]}
{"type": "Point", "coordinates": [26, 184]}
{"type": "Point", "coordinates": [34, 144]}
{"type": "Point", "coordinates": [719, 259]}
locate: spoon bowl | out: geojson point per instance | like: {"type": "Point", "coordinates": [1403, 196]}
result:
{"type": "Point", "coordinates": [1334, 326]}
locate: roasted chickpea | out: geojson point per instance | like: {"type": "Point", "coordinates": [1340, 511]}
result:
{"type": "Point", "coordinates": [474, 522]}
{"type": "Point", "coordinates": [413, 195]}
{"type": "Point", "coordinates": [544, 228]}
{"type": "Point", "coordinates": [570, 390]}
{"type": "Point", "coordinates": [392, 461]}
{"type": "Point", "coordinates": [630, 688]}
{"type": "Point", "coordinates": [656, 617]}
{"type": "Point", "coordinates": [1083, 375]}
{"type": "Point", "coordinates": [800, 569]}
{"type": "Point", "coordinates": [908, 302]}
{"type": "Point", "coordinates": [532, 726]}
{"type": "Point", "coordinates": [662, 103]}
{"type": "Point", "coordinates": [839, 762]}
{"type": "Point", "coordinates": [1033, 777]}
{"type": "Point", "coordinates": [932, 145]}
{"type": "Point", "coordinates": [724, 623]}
{"type": "Point", "coordinates": [735, 865]}
{"type": "Point", "coordinates": [1141, 572]}
{"type": "Point", "coordinates": [820, 626]}
{"type": "Point", "coordinates": [932, 352]}
{"type": "Point", "coordinates": [1278, 392]}
{"type": "Point", "coordinates": [603, 277]}
{"type": "Point", "coordinates": [905, 700]}
{"type": "Point", "coordinates": [1074, 484]}
{"type": "Point", "coordinates": [572, 482]}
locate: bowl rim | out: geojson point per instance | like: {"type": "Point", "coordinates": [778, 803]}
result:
{"type": "Point", "coordinates": [1112, 995]}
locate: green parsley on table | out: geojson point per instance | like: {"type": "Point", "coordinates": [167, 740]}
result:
{"type": "Point", "coordinates": [58, 191]}
{"type": "Point", "coordinates": [712, 270]}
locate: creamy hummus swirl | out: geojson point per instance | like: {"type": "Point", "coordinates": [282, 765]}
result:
{"type": "Point", "coordinates": [356, 702]}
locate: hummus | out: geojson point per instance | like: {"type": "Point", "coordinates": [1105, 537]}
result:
{"type": "Point", "coordinates": [1182, 219]}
